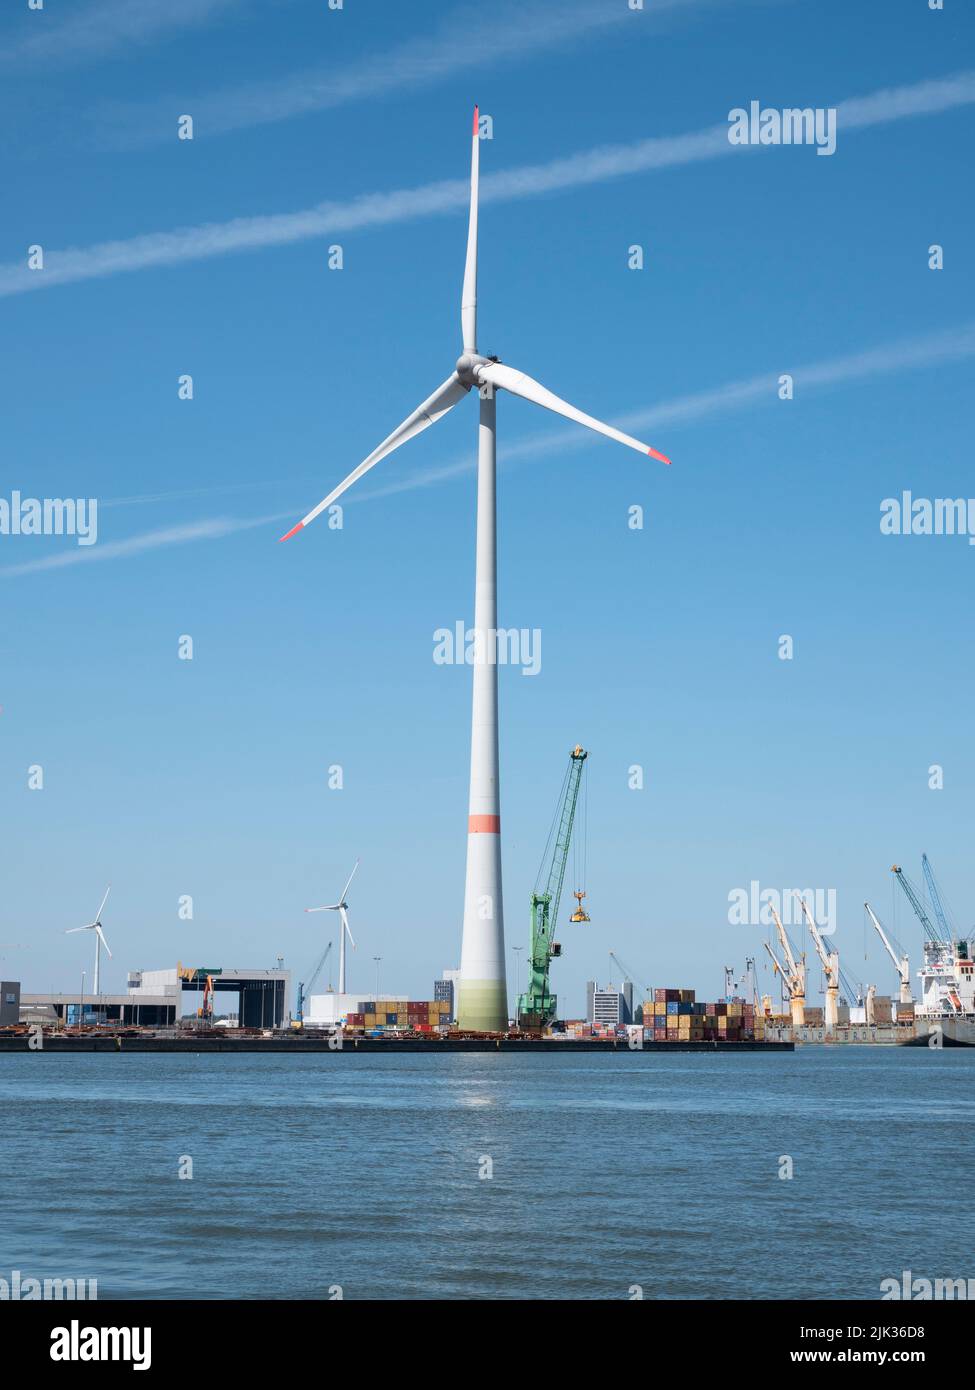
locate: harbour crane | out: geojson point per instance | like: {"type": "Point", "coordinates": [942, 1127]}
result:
{"type": "Point", "coordinates": [931, 932]}
{"type": "Point", "coordinates": [831, 966]}
{"type": "Point", "coordinates": [942, 986]}
{"type": "Point", "coordinates": [794, 975]}
{"type": "Point", "coordinates": [902, 965]}
{"type": "Point", "coordinates": [305, 990]}
{"type": "Point", "coordinates": [537, 1006]}
{"type": "Point", "coordinates": [936, 902]}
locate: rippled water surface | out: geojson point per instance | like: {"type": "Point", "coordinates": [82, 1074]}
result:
{"type": "Point", "coordinates": [606, 1172]}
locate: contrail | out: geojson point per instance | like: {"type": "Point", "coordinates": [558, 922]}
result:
{"type": "Point", "coordinates": [148, 540]}
{"type": "Point", "coordinates": [950, 345]}
{"type": "Point", "coordinates": [406, 205]}
{"type": "Point", "coordinates": [99, 29]}
{"type": "Point", "coordinates": [464, 39]}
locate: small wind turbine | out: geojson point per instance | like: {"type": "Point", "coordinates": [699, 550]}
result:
{"type": "Point", "coordinates": [342, 908]}
{"type": "Point", "coordinates": [483, 1002]}
{"type": "Point", "coordinates": [100, 941]}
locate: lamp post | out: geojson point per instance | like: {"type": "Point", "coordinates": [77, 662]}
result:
{"type": "Point", "coordinates": [377, 959]}
{"type": "Point", "coordinates": [516, 950]}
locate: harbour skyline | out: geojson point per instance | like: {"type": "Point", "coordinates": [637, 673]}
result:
{"type": "Point", "coordinates": [208, 777]}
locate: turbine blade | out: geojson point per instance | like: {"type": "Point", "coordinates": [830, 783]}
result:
{"type": "Point", "coordinates": [329, 907]}
{"type": "Point", "coordinates": [98, 914]}
{"type": "Point", "coordinates": [442, 400]}
{"type": "Point", "coordinates": [468, 299]}
{"type": "Point", "coordinates": [101, 936]}
{"type": "Point", "coordinates": [68, 930]}
{"type": "Point", "coordinates": [351, 877]}
{"type": "Point", "coordinates": [520, 385]}
{"type": "Point", "coordinates": [345, 924]}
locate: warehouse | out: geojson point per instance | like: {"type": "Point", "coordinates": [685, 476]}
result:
{"type": "Point", "coordinates": [261, 995]}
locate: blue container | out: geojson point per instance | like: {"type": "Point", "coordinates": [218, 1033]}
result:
{"type": "Point", "coordinates": [673, 1008]}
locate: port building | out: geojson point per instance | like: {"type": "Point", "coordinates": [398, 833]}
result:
{"type": "Point", "coordinates": [9, 1002]}
{"type": "Point", "coordinates": [155, 999]}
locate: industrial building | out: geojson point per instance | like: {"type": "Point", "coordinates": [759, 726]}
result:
{"type": "Point", "coordinates": [609, 1004]}
{"type": "Point", "coordinates": [155, 999]}
{"type": "Point", "coordinates": [446, 990]}
{"type": "Point", "coordinates": [9, 1002]}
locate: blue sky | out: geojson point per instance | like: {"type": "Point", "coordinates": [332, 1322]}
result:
{"type": "Point", "coordinates": [659, 647]}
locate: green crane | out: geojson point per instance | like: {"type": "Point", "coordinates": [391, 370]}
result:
{"type": "Point", "coordinates": [537, 1007]}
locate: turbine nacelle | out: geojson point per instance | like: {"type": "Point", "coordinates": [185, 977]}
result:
{"type": "Point", "coordinates": [467, 367]}
{"type": "Point", "coordinates": [472, 369]}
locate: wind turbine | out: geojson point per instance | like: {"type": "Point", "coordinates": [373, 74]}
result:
{"type": "Point", "coordinates": [483, 1002]}
{"type": "Point", "coordinates": [100, 941]}
{"type": "Point", "coordinates": [342, 908]}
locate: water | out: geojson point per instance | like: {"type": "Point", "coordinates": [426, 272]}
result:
{"type": "Point", "coordinates": [362, 1172]}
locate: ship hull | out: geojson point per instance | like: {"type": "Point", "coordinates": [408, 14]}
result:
{"type": "Point", "coordinates": [943, 1032]}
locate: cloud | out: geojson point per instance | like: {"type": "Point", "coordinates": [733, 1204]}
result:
{"type": "Point", "coordinates": [926, 350]}
{"type": "Point", "coordinates": [951, 345]}
{"type": "Point", "coordinates": [465, 39]}
{"type": "Point", "coordinates": [213, 529]}
{"type": "Point", "coordinates": [405, 205]}
{"type": "Point", "coordinates": [96, 30]}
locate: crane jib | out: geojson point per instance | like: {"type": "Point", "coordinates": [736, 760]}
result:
{"type": "Point", "coordinates": [537, 1006]}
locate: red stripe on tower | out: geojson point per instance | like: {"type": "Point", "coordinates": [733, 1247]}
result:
{"type": "Point", "coordinates": [484, 825]}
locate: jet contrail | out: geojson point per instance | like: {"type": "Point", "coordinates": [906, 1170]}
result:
{"type": "Point", "coordinates": [462, 40]}
{"type": "Point", "coordinates": [210, 530]}
{"type": "Point", "coordinates": [101, 28]}
{"type": "Point", "coordinates": [406, 205]}
{"type": "Point", "coordinates": [950, 345]}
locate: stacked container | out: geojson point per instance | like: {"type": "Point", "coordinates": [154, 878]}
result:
{"type": "Point", "coordinates": [674, 1015]}
{"type": "Point", "coordinates": [409, 1015]}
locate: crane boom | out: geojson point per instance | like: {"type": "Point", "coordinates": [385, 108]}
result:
{"type": "Point", "coordinates": [305, 989]}
{"type": "Point", "coordinates": [537, 1006]}
{"type": "Point", "coordinates": [818, 940]}
{"type": "Point", "coordinates": [901, 965]}
{"type": "Point", "coordinates": [831, 966]}
{"type": "Point", "coordinates": [936, 902]}
{"type": "Point", "coordinates": [933, 933]}
{"type": "Point", "coordinates": [786, 947]}
{"type": "Point", "coordinates": [883, 935]}
{"type": "Point", "coordinates": [795, 978]}
{"type": "Point", "coordinates": [776, 967]}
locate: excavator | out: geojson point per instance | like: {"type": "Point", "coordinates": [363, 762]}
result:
{"type": "Point", "coordinates": [537, 1006]}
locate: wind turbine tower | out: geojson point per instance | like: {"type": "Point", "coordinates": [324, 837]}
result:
{"type": "Point", "coordinates": [100, 941]}
{"type": "Point", "coordinates": [483, 995]}
{"type": "Point", "coordinates": [342, 908]}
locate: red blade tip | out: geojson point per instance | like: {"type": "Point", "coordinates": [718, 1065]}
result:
{"type": "Point", "coordinates": [654, 455]}
{"type": "Point", "coordinates": [294, 530]}
{"type": "Point", "coordinates": [475, 120]}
